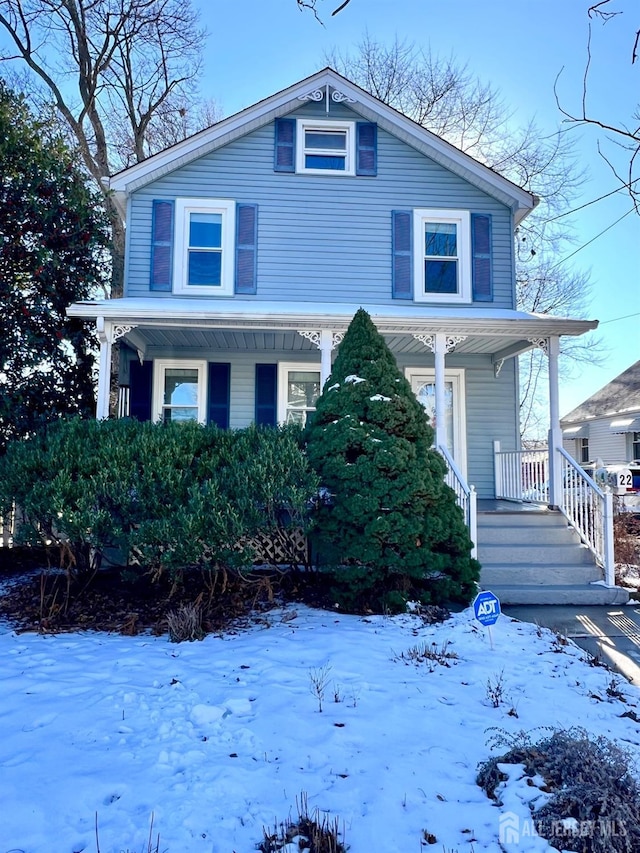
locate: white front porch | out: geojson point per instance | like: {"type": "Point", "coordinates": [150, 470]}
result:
{"type": "Point", "coordinates": [480, 346]}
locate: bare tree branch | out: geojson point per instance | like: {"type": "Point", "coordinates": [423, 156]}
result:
{"type": "Point", "coordinates": [618, 132]}
{"type": "Point", "coordinates": [121, 74]}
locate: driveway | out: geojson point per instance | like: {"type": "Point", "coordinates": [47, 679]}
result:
{"type": "Point", "coordinates": [609, 633]}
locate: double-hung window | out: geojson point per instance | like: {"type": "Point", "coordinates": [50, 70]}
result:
{"type": "Point", "coordinates": [179, 391]}
{"type": "Point", "coordinates": [204, 252]}
{"type": "Point", "coordinates": [298, 390]}
{"type": "Point", "coordinates": [442, 249]}
{"type": "Point", "coordinates": [584, 449]}
{"type": "Point", "coordinates": [325, 147]}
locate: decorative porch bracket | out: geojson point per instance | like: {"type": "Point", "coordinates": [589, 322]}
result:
{"type": "Point", "coordinates": [108, 334]}
{"type": "Point", "coordinates": [326, 341]}
{"type": "Point", "coordinates": [440, 344]}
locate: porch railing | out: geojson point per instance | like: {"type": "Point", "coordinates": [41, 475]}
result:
{"type": "Point", "coordinates": [521, 475]}
{"type": "Point", "coordinates": [589, 510]}
{"type": "Point", "coordinates": [466, 496]}
{"type": "Point", "coordinates": [524, 475]}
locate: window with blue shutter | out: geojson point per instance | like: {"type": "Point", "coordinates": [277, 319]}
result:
{"type": "Point", "coordinates": [266, 395]}
{"type": "Point", "coordinates": [285, 145]}
{"type": "Point", "coordinates": [246, 248]}
{"type": "Point", "coordinates": [218, 394]}
{"type": "Point", "coordinates": [401, 250]}
{"type": "Point", "coordinates": [161, 245]}
{"type": "Point", "coordinates": [481, 270]}
{"type": "Point", "coordinates": [366, 148]}
{"type": "Point", "coordinates": [140, 389]}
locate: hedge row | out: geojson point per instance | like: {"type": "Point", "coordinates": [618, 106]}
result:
{"type": "Point", "coordinates": [155, 497]}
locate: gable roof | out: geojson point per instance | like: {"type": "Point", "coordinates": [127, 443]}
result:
{"type": "Point", "coordinates": [370, 108]}
{"type": "Point", "coordinates": [622, 394]}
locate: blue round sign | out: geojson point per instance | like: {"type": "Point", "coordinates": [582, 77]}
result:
{"type": "Point", "coordinates": [487, 608]}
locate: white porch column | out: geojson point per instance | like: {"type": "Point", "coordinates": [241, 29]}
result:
{"type": "Point", "coordinates": [326, 341]}
{"type": "Point", "coordinates": [555, 432]}
{"type": "Point", "coordinates": [104, 368]}
{"type": "Point", "coordinates": [439, 350]}
{"type": "Point", "coordinates": [326, 345]}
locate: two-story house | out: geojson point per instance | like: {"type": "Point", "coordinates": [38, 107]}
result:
{"type": "Point", "coordinates": [251, 245]}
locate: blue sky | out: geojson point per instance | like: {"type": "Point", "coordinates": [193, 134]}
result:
{"type": "Point", "coordinates": [257, 47]}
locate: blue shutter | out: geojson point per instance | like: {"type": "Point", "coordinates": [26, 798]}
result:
{"type": "Point", "coordinates": [266, 394]}
{"type": "Point", "coordinates": [246, 248]}
{"type": "Point", "coordinates": [161, 245]}
{"type": "Point", "coordinates": [284, 159]}
{"type": "Point", "coordinates": [140, 388]}
{"type": "Point", "coordinates": [481, 243]}
{"type": "Point", "coordinates": [366, 148]}
{"type": "Point", "coordinates": [401, 250]}
{"type": "Point", "coordinates": [218, 394]}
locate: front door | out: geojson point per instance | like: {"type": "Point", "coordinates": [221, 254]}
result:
{"type": "Point", "coordinates": [423, 386]}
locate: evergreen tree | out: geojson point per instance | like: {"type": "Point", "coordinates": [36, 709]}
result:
{"type": "Point", "coordinates": [52, 242]}
{"type": "Point", "coordinates": [390, 528]}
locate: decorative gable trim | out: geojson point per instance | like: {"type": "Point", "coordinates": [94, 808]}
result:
{"type": "Point", "coordinates": [370, 108]}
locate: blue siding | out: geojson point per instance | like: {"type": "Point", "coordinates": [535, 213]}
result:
{"type": "Point", "coordinates": [491, 403]}
{"type": "Point", "coordinates": [320, 237]}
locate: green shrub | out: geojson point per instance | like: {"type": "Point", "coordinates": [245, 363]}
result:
{"type": "Point", "coordinates": [390, 528]}
{"type": "Point", "coordinates": [155, 497]}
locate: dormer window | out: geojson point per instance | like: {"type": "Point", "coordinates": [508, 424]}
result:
{"type": "Point", "coordinates": [325, 147]}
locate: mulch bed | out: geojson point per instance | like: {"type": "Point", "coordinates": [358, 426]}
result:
{"type": "Point", "coordinates": [33, 598]}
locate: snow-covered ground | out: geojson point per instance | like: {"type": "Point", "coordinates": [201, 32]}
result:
{"type": "Point", "coordinates": [216, 739]}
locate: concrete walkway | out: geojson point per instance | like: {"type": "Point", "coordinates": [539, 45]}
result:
{"type": "Point", "coordinates": [609, 633]}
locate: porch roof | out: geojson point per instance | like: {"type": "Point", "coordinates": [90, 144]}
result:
{"type": "Point", "coordinates": [500, 332]}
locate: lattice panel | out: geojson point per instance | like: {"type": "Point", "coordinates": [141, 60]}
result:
{"type": "Point", "coordinates": [287, 546]}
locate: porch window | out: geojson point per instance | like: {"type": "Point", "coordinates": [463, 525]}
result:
{"type": "Point", "coordinates": [326, 147]}
{"type": "Point", "coordinates": [179, 391]}
{"type": "Point", "coordinates": [442, 242]}
{"type": "Point", "coordinates": [203, 260]}
{"type": "Point", "coordinates": [298, 390]}
{"type": "Point", "coordinates": [635, 446]}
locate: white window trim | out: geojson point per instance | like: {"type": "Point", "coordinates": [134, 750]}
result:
{"type": "Point", "coordinates": [455, 375]}
{"type": "Point", "coordinates": [462, 219]}
{"type": "Point", "coordinates": [304, 124]}
{"type": "Point", "coordinates": [283, 380]}
{"type": "Point", "coordinates": [184, 207]}
{"type": "Point", "coordinates": [159, 368]}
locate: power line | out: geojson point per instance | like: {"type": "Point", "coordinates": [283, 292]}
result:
{"type": "Point", "coordinates": [615, 319]}
{"type": "Point", "coordinates": [584, 245]}
{"type": "Point", "coordinates": [623, 186]}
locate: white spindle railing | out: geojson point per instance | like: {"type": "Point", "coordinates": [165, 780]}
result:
{"type": "Point", "coordinates": [590, 511]}
{"type": "Point", "coordinates": [466, 497]}
{"type": "Point", "coordinates": [523, 475]}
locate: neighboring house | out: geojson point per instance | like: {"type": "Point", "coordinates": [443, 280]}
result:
{"type": "Point", "coordinates": [607, 425]}
{"type": "Point", "coordinates": [251, 245]}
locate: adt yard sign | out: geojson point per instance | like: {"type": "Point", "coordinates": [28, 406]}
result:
{"type": "Point", "coordinates": [487, 608]}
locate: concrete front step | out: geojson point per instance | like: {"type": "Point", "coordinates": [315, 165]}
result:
{"type": "Point", "coordinates": [543, 518]}
{"type": "Point", "coordinates": [534, 554]}
{"type": "Point", "coordinates": [575, 594]}
{"type": "Point", "coordinates": [552, 574]}
{"type": "Point", "coordinates": [550, 534]}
